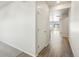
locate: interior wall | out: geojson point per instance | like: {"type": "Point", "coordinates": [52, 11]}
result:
{"type": "Point", "coordinates": [17, 26]}
{"type": "Point", "coordinates": [52, 16]}
{"type": "Point", "coordinates": [74, 28]}
{"type": "Point", "coordinates": [64, 26]}
{"type": "Point", "coordinates": [42, 26]}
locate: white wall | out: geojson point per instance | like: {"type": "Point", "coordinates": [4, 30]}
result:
{"type": "Point", "coordinates": [42, 26]}
{"type": "Point", "coordinates": [51, 18]}
{"type": "Point", "coordinates": [17, 26]}
{"type": "Point", "coordinates": [64, 26]}
{"type": "Point", "coordinates": [74, 28]}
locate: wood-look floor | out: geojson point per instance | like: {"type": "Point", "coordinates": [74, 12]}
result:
{"type": "Point", "coordinates": [59, 47]}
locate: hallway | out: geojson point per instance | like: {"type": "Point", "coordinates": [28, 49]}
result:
{"type": "Point", "coordinates": [58, 47]}
{"type": "Point", "coordinates": [39, 29]}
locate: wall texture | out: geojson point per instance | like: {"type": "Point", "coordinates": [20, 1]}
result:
{"type": "Point", "coordinates": [17, 26]}
{"type": "Point", "coordinates": [74, 28]}
{"type": "Point", "coordinates": [42, 26]}
{"type": "Point", "coordinates": [64, 26]}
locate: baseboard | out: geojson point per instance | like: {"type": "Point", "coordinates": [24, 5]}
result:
{"type": "Point", "coordinates": [44, 49]}
{"type": "Point", "coordinates": [19, 49]}
{"type": "Point", "coordinates": [67, 38]}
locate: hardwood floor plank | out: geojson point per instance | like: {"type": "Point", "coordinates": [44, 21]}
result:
{"type": "Point", "coordinates": [58, 47]}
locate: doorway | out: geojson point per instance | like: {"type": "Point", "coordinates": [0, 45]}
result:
{"type": "Point", "coordinates": [59, 30]}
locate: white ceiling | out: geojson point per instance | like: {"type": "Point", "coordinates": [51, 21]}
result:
{"type": "Point", "coordinates": [63, 12]}
{"type": "Point", "coordinates": [51, 3]}
{"type": "Point", "coordinates": [54, 3]}
{"type": "Point", "coordinates": [59, 9]}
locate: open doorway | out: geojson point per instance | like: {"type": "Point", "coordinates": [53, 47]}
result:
{"type": "Point", "coordinates": [59, 30]}
{"type": "Point", "coordinates": [58, 45]}
{"type": "Point", "coordinates": [54, 21]}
